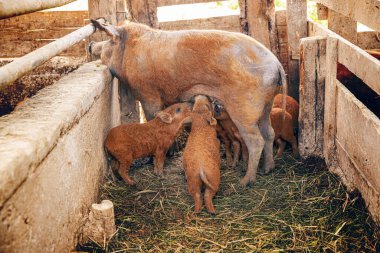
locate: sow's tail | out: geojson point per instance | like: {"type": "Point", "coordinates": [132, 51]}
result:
{"type": "Point", "coordinates": [205, 181]}
{"type": "Point", "coordinates": [283, 83]}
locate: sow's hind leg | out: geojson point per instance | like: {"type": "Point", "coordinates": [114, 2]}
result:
{"type": "Point", "coordinates": [246, 119]}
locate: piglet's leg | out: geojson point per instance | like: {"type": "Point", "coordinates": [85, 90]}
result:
{"type": "Point", "coordinates": [194, 185]}
{"type": "Point", "coordinates": [209, 194]}
{"type": "Point", "coordinates": [123, 171]}
{"type": "Point", "coordinates": [236, 148]}
{"type": "Point", "coordinates": [159, 160]}
{"type": "Point", "coordinates": [281, 146]}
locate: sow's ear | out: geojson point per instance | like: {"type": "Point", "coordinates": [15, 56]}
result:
{"type": "Point", "coordinates": [165, 117]}
{"type": "Point", "coordinates": [109, 29]}
{"type": "Point", "coordinates": [212, 121]}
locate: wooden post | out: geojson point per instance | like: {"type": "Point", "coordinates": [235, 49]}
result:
{"type": "Point", "coordinates": [312, 96]}
{"type": "Point", "coordinates": [143, 11]}
{"type": "Point", "coordinates": [322, 12]}
{"type": "Point", "coordinates": [329, 148]}
{"type": "Point", "coordinates": [296, 15]}
{"type": "Point", "coordinates": [342, 25]}
{"type": "Point", "coordinates": [11, 8]}
{"type": "Point", "coordinates": [100, 226]}
{"type": "Point", "coordinates": [257, 19]}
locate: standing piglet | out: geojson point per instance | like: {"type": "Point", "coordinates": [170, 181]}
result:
{"type": "Point", "coordinates": [229, 134]}
{"type": "Point", "coordinates": [282, 123]}
{"type": "Point", "coordinates": [201, 158]}
{"type": "Point", "coordinates": [131, 141]}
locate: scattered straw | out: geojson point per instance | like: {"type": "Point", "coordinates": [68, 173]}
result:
{"type": "Point", "coordinates": [299, 207]}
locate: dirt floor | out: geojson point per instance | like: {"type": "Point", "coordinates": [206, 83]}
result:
{"type": "Point", "coordinates": [28, 85]}
{"type": "Point", "coordinates": [299, 207]}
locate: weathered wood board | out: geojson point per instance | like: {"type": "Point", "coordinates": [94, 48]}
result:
{"type": "Point", "coordinates": [297, 29]}
{"type": "Point", "coordinates": [342, 25]}
{"type": "Point", "coordinates": [366, 12]}
{"type": "Point", "coordinates": [176, 2]}
{"type": "Point", "coordinates": [22, 34]}
{"type": "Point", "coordinates": [228, 23]}
{"type": "Point", "coordinates": [358, 143]}
{"type": "Point", "coordinates": [312, 96]}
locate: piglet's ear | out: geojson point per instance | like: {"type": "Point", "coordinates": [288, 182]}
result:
{"type": "Point", "coordinates": [212, 121]}
{"type": "Point", "coordinates": [109, 29]}
{"type": "Point", "coordinates": [165, 117]}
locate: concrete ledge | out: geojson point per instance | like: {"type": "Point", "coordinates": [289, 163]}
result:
{"type": "Point", "coordinates": [51, 153]}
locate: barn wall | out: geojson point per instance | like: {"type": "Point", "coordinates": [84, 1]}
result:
{"type": "Point", "coordinates": [52, 160]}
{"type": "Point", "coordinates": [23, 34]}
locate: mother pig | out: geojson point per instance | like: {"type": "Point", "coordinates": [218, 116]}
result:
{"type": "Point", "coordinates": [164, 67]}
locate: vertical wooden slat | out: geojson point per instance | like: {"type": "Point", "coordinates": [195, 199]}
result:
{"type": "Point", "coordinates": [296, 15]}
{"type": "Point", "coordinates": [342, 25]}
{"type": "Point", "coordinates": [312, 96]}
{"type": "Point", "coordinates": [143, 11]}
{"type": "Point", "coordinates": [258, 20]}
{"type": "Point", "coordinates": [329, 148]}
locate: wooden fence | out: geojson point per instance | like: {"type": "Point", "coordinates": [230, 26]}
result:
{"type": "Point", "coordinates": [334, 123]}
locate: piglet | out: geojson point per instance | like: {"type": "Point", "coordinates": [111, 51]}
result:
{"type": "Point", "coordinates": [283, 130]}
{"type": "Point", "coordinates": [201, 157]}
{"type": "Point", "coordinates": [229, 134]}
{"type": "Point", "coordinates": [292, 107]}
{"type": "Point", "coordinates": [132, 141]}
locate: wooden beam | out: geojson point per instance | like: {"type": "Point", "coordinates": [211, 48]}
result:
{"type": "Point", "coordinates": [360, 63]}
{"type": "Point", "coordinates": [11, 8]}
{"type": "Point", "coordinates": [46, 20]}
{"type": "Point", "coordinates": [177, 2]}
{"type": "Point", "coordinates": [368, 40]}
{"type": "Point", "coordinates": [312, 96]}
{"type": "Point", "coordinates": [342, 25]}
{"type": "Point", "coordinates": [322, 12]}
{"type": "Point", "coordinates": [143, 11]}
{"type": "Point", "coordinates": [12, 71]}
{"type": "Point", "coordinates": [296, 11]}
{"type": "Point", "coordinates": [228, 23]}
{"type": "Point", "coordinates": [366, 12]}
{"type": "Point", "coordinates": [10, 49]}
{"type": "Point", "coordinates": [329, 147]}
{"type": "Point", "coordinates": [258, 21]}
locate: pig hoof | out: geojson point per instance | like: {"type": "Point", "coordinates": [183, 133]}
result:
{"type": "Point", "coordinates": [159, 172]}
{"type": "Point", "coordinates": [244, 181]}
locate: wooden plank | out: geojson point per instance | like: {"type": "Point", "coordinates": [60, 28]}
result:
{"type": "Point", "coordinates": [358, 133]}
{"type": "Point", "coordinates": [121, 11]}
{"type": "Point", "coordinates": [143, 11]}
{"type": "Point", "coordinates": [297, 29]}
{"type": "Point", "coordinates": [260, 17]}
{"type": "Point", "coordinates": [329, 148]}
{"type": "Point", "coordinates": [7, 35]}
{"type": "Point", "coordinates": [176, 2]}
{"type": "Point", "coordinates": [12, 71]}
{"type": "Point", "coordinates": [315, 29]}
{"type": "Point", "coordinates": [11, 8]}
{"type": "Point", "coordinates": [360, 63]}
{"type": "Point", "coordinates": [342, 25]}
{"type": "Point", "coordinates": [322, 12]}
{"type": "Point", "coordinates": [366, 12]}
{"type": "Point", "coordinates": [105, 9]}
{"type": "Point", "coordinates": [358, 142]}
{"type": "Point", "coordinates": [10, 49]}
{"type": "Point", "coordinates": [46, 20]}
{"type": "Point", "coordinates": [312, 96]}
{"type": "Point", "coordinates": [368, 40]}
{"type": "Point", "coordinates": [281, 18]}
{"type": "Point", "coordinates": [228, 23]}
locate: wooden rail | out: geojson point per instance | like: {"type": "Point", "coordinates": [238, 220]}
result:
{"type": "Point", "coordinates": [366, 12]}
{"type": "Point", "coordinates": [12, 71]}
{"type": "Point", "coordinates": [176, 2]}
{"type": "Point", "coordinates": [11, 8]}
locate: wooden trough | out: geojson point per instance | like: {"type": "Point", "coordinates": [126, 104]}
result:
{"type": "Point", "coordinates": [50, 170]}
